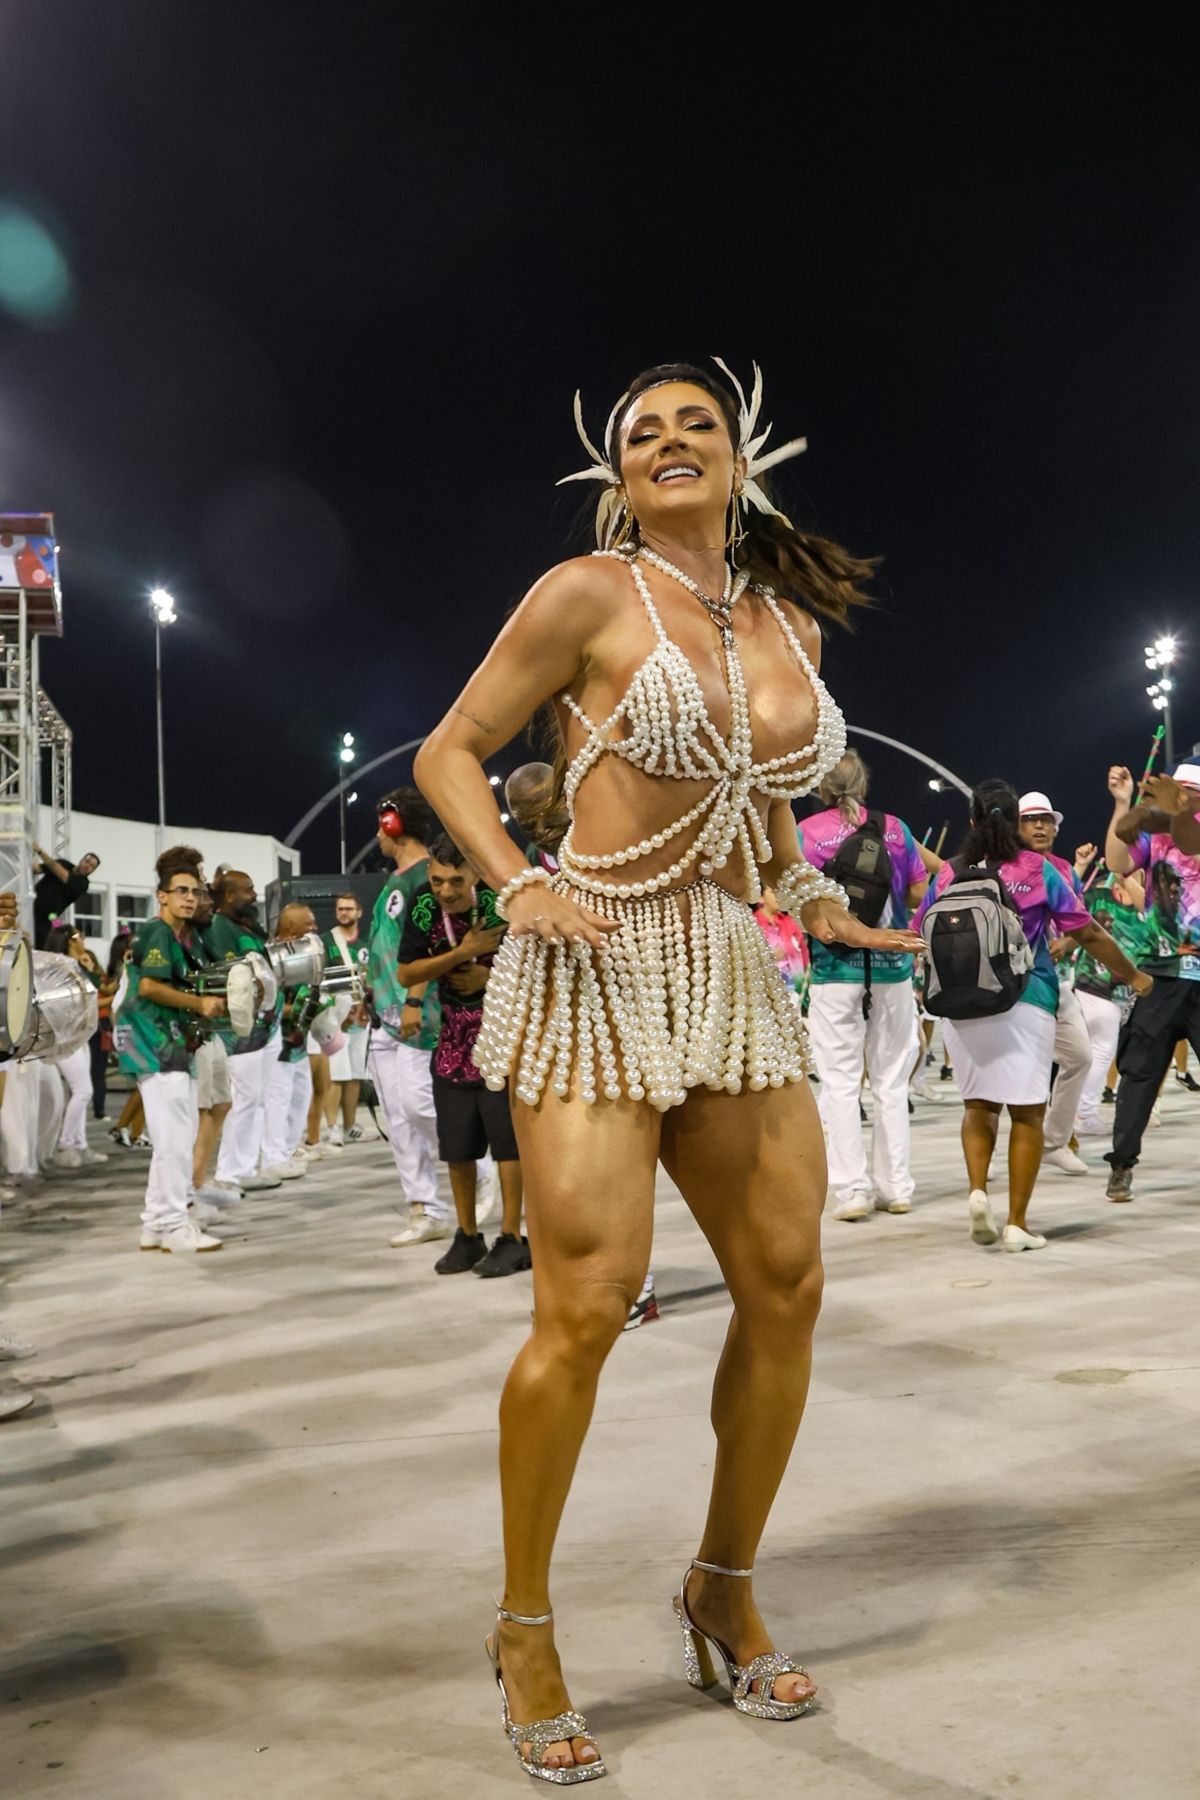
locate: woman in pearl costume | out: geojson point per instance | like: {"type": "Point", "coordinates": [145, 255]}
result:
{"type": "Point", "coordinates": [634, 1007]}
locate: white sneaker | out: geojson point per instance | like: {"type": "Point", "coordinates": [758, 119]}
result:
{"type": "Point", "coordinates": [983, 1223]}
{"type": "Point", "coordinates": [221, 1193]}
{"type": "Point", "coordinates": [288, 1171]}
{"type": "Point", "coordinates": [141, 1143]}
{"type": "Point", "coordinates": [859, 1208]}
{"type": "Point", "coordinates": [12, 1404]}
{"type": "Point", "coordinates": [186, 1239]}
{"type": "Point", "coordinates": [151, 1238]}
{"type": "Point", "coordinates": [335, 1138]}
{"type": "Point", "coordinates": [327, 1147]}
{"type": "Point", "coordinates": [355, 1135]}
{"type": "Point", "coordinates": [1155, 1115]}
{"type": "Point", "coordinates": [306, 1153]}
{"type": "Point", "coordinates": [892, 1206]}
{"type": "Point", "coordinates": [257, 1184]}
{"type": "Point", "coordinates": [13, 1350]}
{"type": "Point", "coordinates": [1092, 1128]}
{"type": "Point", "coordinates": [1066, 1160]}
{"type": "Point", "coordinates": [66, 1159]}
{"type": "Point", "coordinates": [1013, 1237]}
{"type": "Point", "coordinates": [202, 1214]}
{"type": "Point", "coordinates": [421, 1229]}
{"type": "Point", "coordinates": [90, 1157]}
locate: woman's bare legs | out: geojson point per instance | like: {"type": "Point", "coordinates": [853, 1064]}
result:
{"type": "Point", "coordinates": [752, 1169]}
{"type": "Point", "coordinates": [1025, 1141]}
{"type": "Point", "coordinates": [981, 1122]}
{"type": "Point", "coordinates": [589, 1206]}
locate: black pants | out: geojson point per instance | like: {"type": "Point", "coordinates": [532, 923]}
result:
{"type": "Point", "coordinates": [99, 1075]}
{"type": "Point", "coordinates": [1145, 1049]}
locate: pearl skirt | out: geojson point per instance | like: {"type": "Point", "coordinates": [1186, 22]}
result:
{"type": "Point", "coordinates": [1005, 1059]}
{"type": "Point", "coordinates": [685, 994]}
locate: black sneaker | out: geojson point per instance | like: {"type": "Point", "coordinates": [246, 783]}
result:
{"type": "Point", "coordinates": [1120, 1183]}
{"type": "Point", "coordinates": [1186, 1079]}
{"type": "Point", "coordinates": [462, 1255]}
{"type": "Point", "coordinates": [508, 1256]}
{"type": "Point", "coordinates": [945, 1073]}
{"type": "Point", "coordinates": [1108, 1098]}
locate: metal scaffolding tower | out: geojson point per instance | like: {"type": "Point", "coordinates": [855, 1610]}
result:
{"type": "Point", "coordinates": [30, 608]}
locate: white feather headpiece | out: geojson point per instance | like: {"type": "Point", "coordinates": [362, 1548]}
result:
{"type": "Point", "coordinates": [611, 511]}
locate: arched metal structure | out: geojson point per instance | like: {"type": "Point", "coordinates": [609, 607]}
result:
{"type": "Point", "coordinates": [327, 798]}
{"type": "Point", "coordinates": [330, 796]}
{"type": "Point", "coordinates": [907, 749]}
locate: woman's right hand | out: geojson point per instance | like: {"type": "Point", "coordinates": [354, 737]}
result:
{"type": "Point", "coordinates": [537, 910]}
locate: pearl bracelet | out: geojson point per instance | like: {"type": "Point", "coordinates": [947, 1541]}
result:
{"type": "Point", "coordinates": [800, 883]}
{"type": "Point", "coordinates": [512, 888]}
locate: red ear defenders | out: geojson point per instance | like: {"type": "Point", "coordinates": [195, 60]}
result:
{"type": "Point", "coordinates": [391, 822]}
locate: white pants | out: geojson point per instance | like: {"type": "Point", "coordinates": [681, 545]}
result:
{"type": "Point", "coordinates": [51, 1103]}
{"type": "Point", "coordinates": [76, 1071]}
{"type": "Point", "coordinates": [1073, 1054]}
{"type": "Point", "coordinates": [241, 1141]}
{"type": "Point", "coordinates": [171, 1120]}
{"type": "Point", "coordinates": [842, 1040]}
{"type": "Point", "coordinates": [289, 1090]}
{"type": "Point", "coordinates": [403, 1080]}
{"type": "Point", "coordinates": [18, 1119]}
{"type": "Point", "coordinates": [1103, 1020]}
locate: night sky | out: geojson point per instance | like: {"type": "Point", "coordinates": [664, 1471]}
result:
{"type": "Point", "coordinates": [330, 275]}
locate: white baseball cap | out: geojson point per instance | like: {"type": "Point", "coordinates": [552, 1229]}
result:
{"type": "Point", "coordinates": [1189, 773]}
{"type": "Point", "coordinates": [1039, 803]}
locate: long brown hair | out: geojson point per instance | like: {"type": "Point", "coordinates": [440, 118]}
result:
{"type": "Point", "coordinates": [819, 574]}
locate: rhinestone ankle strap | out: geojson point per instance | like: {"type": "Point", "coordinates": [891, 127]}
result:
{"type": "Point", "coordinates": [716, 1569]}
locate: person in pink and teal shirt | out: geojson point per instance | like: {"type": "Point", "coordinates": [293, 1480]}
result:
{"type": "Point", "coordinates": [1005, 1060]}
{"type": "Point", "coordinates": [864, 1014]}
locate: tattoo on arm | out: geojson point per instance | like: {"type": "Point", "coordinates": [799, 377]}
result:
{"type": "Point", "coordinates": [488, 730]}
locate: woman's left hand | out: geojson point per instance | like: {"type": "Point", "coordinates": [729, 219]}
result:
{"type": "Point", "coordinates": [831, 923]}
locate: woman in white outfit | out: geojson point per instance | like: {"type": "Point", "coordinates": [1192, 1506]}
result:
{"type": "Point", "coordinates": [76, 1069]}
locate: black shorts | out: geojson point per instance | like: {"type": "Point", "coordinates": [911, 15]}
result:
{"type": "Point", "coordinates": [471, 1120]}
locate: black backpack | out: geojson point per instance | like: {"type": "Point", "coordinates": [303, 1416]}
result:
{"type": "Point", "coordinates": [863, 866]}
{"type": "Point", "coordinates": [978, 959]}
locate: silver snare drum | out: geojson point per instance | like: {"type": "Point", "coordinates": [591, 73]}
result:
{"type": "Point", "coordinates": [64, 1011]}
{"type": "Point", "coordinates": [16, 990]}
{"type": "Point", "coordinates": [297, 962]}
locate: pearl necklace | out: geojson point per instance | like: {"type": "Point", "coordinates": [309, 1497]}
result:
{"type": "Point", "coordinates": [719, 611]}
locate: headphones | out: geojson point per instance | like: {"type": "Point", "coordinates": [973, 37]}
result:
{"type": "Point", "coordinates": [391, 822]}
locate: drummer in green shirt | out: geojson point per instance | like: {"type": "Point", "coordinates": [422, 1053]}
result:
{"type": "Point", "coordinates": [155, 1042]}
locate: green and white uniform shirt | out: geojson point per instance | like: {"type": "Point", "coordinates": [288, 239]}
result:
{"type": "Point", "coordinates": [152, 1039]}
{"type": "Point", "coordinates": [226, 940]}
{"type": "Point", "coordinates": [388, 994]}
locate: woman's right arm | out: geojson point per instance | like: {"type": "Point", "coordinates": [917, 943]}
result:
{"type": "Point", "coordinates": [543, 649]}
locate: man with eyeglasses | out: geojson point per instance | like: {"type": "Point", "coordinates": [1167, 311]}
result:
{"type": "Point", "coordinates": [156, 1041]}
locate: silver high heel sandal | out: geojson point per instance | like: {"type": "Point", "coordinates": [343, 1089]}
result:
{"type": "Point", "coordinates": [698, 1664]}
{"type": "Point", "coordinates": [544, 1732]}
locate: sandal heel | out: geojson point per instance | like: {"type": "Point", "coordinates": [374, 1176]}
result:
{"type": "Point", "coordinates": [697, 1661]}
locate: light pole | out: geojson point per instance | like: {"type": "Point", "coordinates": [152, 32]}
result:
{"type": "Point", "coordinates": [1160, 656]}
{"type": "Point", "coordinates": [346, 754]}
{"type": "Point", "coordinates": [162, 608]}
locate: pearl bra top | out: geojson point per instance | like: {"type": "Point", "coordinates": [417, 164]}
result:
{"type": "Point", "coordinates": [661, 726]}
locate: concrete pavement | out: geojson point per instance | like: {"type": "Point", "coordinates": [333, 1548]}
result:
{"type": "Point", "coordinates": [248, 1533]}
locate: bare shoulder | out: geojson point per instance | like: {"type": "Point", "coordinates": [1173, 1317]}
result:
{"type": "Point", "coordinates": [584, 589]}
{"type": "Point", "coordinates": [805, 628]}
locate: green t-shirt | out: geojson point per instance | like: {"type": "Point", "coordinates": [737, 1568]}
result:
{"type": "Point", "coordinates": [387, 927]}
{"type": "Point", "coordinates": [225, 940]}
{"type": "Point", "coordinates": [1136, 933]}
{"type": "Point", "coordinates": [152, 1039]}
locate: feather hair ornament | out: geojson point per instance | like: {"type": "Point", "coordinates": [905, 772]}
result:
{"type": "Point", "coordinates": [611, 511]}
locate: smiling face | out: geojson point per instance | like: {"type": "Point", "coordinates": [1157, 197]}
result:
{"type": "Point", "coordinates": [675, 457]}
{"type": "Point", "coordinates": [453, 887]}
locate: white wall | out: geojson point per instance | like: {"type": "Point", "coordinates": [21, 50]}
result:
{"type": "Point", "coordinates": [127, 849]}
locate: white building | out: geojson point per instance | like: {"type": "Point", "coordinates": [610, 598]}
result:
{"type": "Point", "coordinates": [122, 889]}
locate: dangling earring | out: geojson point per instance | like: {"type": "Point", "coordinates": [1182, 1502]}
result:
{"type": "Point", "coordinates": [736, 534]}
{"type": "Point", "coordinates": [626, 531]}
